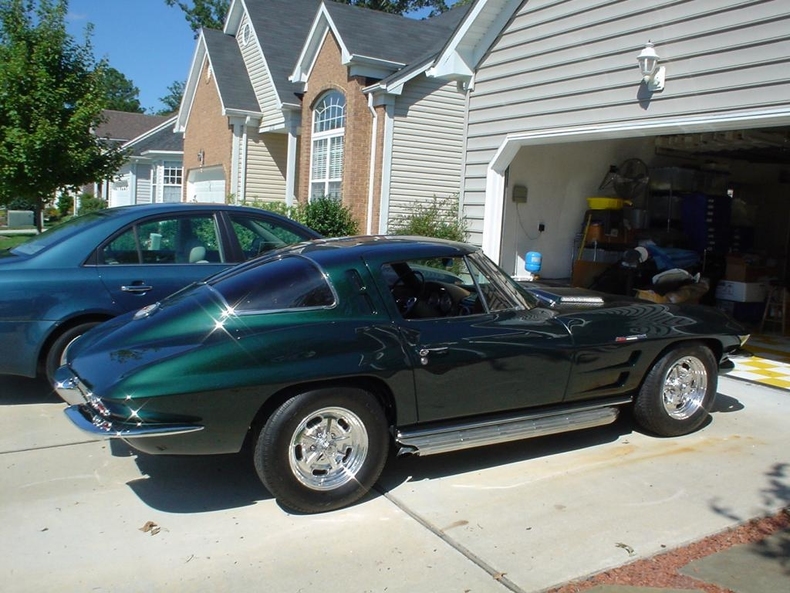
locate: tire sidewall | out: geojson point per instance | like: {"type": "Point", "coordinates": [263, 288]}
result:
{"type": "Point", "coordinates": [59, 346]}
{"type": "Point", "coordinates": [271, 454]}
{"type": "Point", "coordinates": [649, 410]}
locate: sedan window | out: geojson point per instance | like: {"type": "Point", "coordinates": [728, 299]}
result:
{"type": "Point", "coordinates": [259, 235]}
{"type": "Point", "coordinates": [185, 239]}
{"type": "Point", "coordinates": [284, 283]}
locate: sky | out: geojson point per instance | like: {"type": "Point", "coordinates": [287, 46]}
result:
{"type": "Point", "coordinates": [147, 41]}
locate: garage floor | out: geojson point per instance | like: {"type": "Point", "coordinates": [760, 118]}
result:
{"type": "Point", "coordinates": [770, 364]}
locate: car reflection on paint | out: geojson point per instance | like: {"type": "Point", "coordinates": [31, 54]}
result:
{"type": "Point", "coordinates": [325, 355]}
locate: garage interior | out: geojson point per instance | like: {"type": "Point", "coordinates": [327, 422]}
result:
{"type": "Point", "coordinates": [713, 204]}
{"type": "Point", "coordinates": [722, 196]}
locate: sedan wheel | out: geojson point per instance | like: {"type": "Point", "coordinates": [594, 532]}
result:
{"type": "Point", "coordinates": [678, 392]}
{"type": "Point", "coordinates": [323, 449]}
{"type": "Point", "coordinates": [56, 355]}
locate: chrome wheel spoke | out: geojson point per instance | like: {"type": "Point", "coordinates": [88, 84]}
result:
{"type": "Point", "coordinates": [328, 448]}
{"type": "Point", "coordinates": [685, 386]}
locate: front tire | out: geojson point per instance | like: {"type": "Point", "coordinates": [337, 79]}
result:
{"type": "Point", "coordinates": [323, 449]}
{"type": "Point", "coordinates": [678, 392]}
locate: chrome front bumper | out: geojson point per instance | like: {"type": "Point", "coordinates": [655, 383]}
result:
{"type": "Point", "coordinates": [88, 413]}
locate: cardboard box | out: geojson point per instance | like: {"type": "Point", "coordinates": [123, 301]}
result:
{"type": "Point", "coordinates": [742, 292]}
{"type": "Point", "coordinates": [746, 268]}
{"type": "Point", "coordinates": [744, 312]}
{"type": "Point", "coordinates": [585, 272]}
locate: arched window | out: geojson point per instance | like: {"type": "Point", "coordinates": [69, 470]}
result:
{"type": "Point", "coordinates": [326, 159]}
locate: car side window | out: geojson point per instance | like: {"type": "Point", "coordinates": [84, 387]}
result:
{"type": "Point", "coordinates": [445, 287]}
{"type": "Point", "coordinates": [280, 284]}
{"type": "Point", "coordinates": [259, 235]}
{"type": "Point", "coordinates": [170, 240]}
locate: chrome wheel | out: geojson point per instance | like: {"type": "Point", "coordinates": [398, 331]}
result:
{"type": "Point", "coordinates": [328, 448]}
{"type": "Point", "coordinates": [685, 387]}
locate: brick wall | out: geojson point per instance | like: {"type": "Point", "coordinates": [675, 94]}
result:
{"type": "Point", "coordinates": [207, 130]}
{"type": "Point", "coordinates": [328, 73]}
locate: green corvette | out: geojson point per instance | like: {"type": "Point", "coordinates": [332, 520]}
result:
{"type": "Point", "coordinates": [324, 355]}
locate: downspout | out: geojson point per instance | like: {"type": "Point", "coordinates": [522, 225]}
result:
{"type": "Point", "coordinates": [372, 172]}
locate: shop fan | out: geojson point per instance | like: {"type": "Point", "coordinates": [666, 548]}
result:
{"type": "Point", "coordinates": [630, 179]}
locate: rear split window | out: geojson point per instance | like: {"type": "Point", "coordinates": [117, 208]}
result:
{"type": "Point", "coordinates": [287, 283]}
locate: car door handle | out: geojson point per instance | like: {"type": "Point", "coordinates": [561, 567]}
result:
{"type": "Point", "coordinates": [137, 288]}
{"type": "Point", "coordinates": [424, 352]}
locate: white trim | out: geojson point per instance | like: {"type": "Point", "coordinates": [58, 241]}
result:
{"type": "Point", "coordinates": [512, 143]}
{"type": "Point", "coordinates": [292, 121]}
{"type": "Point", "coordinates": [481, 26]}
{"type": "Point", "coordinates": [386, 163]}
{"type": "Point", "coordinates": [190, 88]}
{"type": "Point", "coordinates": [371, 166]}
{"type": "Point", "coordinates": [235, 157]}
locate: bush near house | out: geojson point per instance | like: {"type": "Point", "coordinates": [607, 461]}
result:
{"type": "Point", "coordinates": [438, 219]}
{"type": "Point", "coordinates": [324, 215]}
{"type": "Point", "coordinates": [90, 203]}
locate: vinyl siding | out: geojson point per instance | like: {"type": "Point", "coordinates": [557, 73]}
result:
{"type": "Point", "coordinates": [261, 80]}
{"type": "Point", "coordinates": [573, 64]}
{"type": "Point", "coordinates": [143, 184]}
{"type": "Point", "coordinates": [266, 163]}
{"type": "Point", "coordinates": [427, 144]}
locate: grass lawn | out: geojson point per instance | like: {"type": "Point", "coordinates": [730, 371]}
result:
{"type": "Point", "coordinates": [8, 241]}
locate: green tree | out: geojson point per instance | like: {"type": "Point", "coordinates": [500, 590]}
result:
{"type": "Point", "coordinates": [212, 13]}
{"type": "Point", "coordinates": [121, 93]}
{"type": "Point", "coordinates": [203, 13]}
{"type": "Point", "coordinates": [400, 6]}
{"type": "Point", "coordinates": [52, 94]}
{"type": "Point", "coordinates": [172, 101]}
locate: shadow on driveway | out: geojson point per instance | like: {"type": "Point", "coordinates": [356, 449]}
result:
{"type": "Point", "coordinates": [194, 484]}
{"type": "Point", "coordinates": [16, 391]}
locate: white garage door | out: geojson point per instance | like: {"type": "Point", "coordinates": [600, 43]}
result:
{"type": "Point", "coordinates": [206, 185]}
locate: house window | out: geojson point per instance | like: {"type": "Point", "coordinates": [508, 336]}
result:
{"type": "Point", "coordinates": [246, 33]}
{"type": "Point", "coordinates": [326, 159]}
{"type": "Point", "coordinates": [171, 181]}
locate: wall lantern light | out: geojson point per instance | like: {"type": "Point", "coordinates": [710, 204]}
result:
{"type": "Point", "coordinates": [652, 74]}
{"type": "Point", "coordinates": [200, 156]}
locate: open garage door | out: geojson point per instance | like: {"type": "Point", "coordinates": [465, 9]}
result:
{"type": "Point", "coordinates": [206, 185]}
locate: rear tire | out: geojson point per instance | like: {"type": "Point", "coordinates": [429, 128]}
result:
{"type": "Point", "coordinates": [56, 355]}
{"type": "Point", "coordinates": [678, 392]}
{"type": "Point", "coordinates": [323, 449]}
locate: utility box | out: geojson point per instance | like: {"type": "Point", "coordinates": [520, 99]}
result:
{"type": "Point", "coordinates": [17, 218]}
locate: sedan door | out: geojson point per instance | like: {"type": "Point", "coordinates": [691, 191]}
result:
{"type": "Point", "coordinates": [154, 258]}
{"type": "Point", "coordinates": [474, 348]}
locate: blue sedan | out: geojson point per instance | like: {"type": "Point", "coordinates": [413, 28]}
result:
{"type": "Point", "coordinates": [92, 268]}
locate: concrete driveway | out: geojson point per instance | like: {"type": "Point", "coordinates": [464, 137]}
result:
{"type": "Point", "coordinates": [82, 515]}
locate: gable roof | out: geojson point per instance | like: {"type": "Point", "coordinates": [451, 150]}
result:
{"type": "Point", "coordinates": [281, 27]}
{"type": "Point", "coordinates": [160, 139]}
{"type": "Point", "coordinates": [122, 126]}
{"type": "Point", "coordinates": [381, 41]}
{"type": "Point", "coordinates": [227, 66]}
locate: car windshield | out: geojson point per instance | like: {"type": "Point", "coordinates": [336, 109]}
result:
{"type": "Point", "coordinates": [56, 234]}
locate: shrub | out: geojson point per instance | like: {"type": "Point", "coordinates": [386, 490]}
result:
{"type": "Point", "coordinates": [327, 216]}
{"type": "Point", "coordinates": [438, 219]}
{"type": "Point", "coordinates": [90, 203]}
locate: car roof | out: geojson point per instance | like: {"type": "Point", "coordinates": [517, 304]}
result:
{"type": "Point", "coordinates": [381, 248]}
